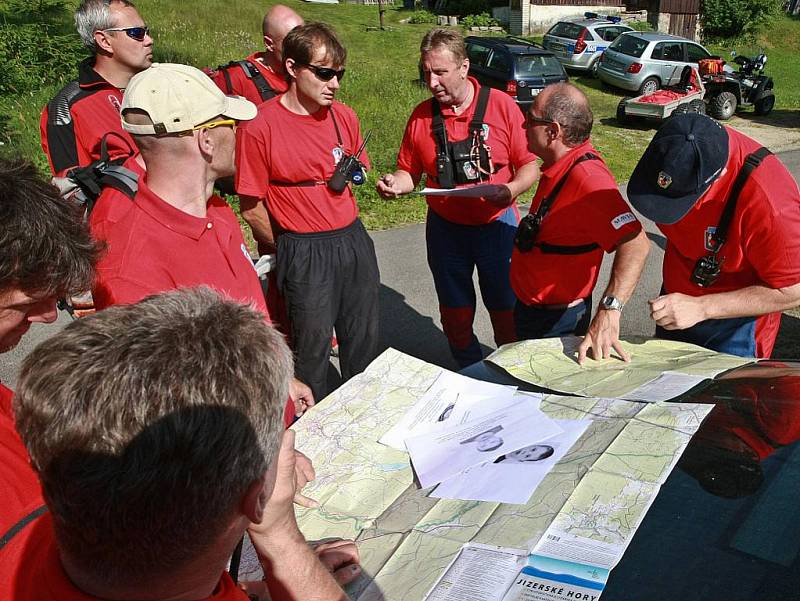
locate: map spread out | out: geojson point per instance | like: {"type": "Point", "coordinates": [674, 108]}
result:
{"type": "Point", "coordinates": [598, 492]}
{"type": "Point", "coordinates": [551, 363]}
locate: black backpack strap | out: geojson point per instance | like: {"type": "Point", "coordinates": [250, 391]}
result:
{"type": "Point", "coordinates": [227, 77]}
{"type": "Point", "coordinates": [560, 249]}
{"type": "Point", "coordinates": [254, 74]}
{"type": "Point", "coordinates": [476, 124]}
{"type": "Point", "coordinates": [20, 525]}
{"type": "Point", "coordinates": [438, 128]}
{"type": "Point", "coordinates": [336, 127]}
{"type": "Point", "coordinates": [751, 162]}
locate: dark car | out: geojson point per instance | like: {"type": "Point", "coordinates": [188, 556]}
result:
{"type": "Point", "coordinates": [516, 66]}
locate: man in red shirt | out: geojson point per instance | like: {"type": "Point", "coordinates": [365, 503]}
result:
{"type": "Point", "coordinates": [176, 233]}
{"type": "Point", "coordinates": [262, 75]}
{"type": "Point", "coordinates": [463, 233]}
{"type": "Point", "coordinates": [47, 253]}
{"type": "Point", "coordinates": [157, 448]}
{"type": "Point", "coordinates": [74, 122]}
{"type": "Point", "coordinates": [286, 158]}
{"type": "Point", "coordinates": [730, 267]}
{"type": "Point", "coordinates": [576, 215]}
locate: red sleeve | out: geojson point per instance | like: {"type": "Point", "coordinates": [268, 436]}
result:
{"type": "Point", "coordinates": [607, 218]}
{"type": "Point", "coordinates": [408, 157]}
{"type": "Point", "coordinates": [252, 161]}
{"type": "Point", "coordinates": [771, 226]}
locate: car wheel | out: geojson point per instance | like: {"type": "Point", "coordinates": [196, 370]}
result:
{"type": "Point", "coordinates": [765, 104]}
{"type": "Point", "coordinates": [681, 109]}
{"type": "Point", "coordinates": [593, 68]}
{"type": "Point", "coordinates": [649, 85]}
{"type": "Point", "coordinates": [621, 116]}
{"type": "Point", "coordinates": [697, 106]}
{"type": "Point", "coordinates": [722, 106]}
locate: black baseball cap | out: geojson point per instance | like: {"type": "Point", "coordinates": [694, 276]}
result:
{"type": "Point", "coordinates": [686, 155]}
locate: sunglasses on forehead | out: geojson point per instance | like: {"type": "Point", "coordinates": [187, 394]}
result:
{"type": "Point", "coordinates": [325, 73]}
{"type": "Point", "coordinates": [137, 33]}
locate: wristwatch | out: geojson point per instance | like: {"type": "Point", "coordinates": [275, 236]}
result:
{"type": "Point", "coordinates": [612, 303]}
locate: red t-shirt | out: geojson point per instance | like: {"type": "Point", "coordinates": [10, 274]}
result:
{"type": "Point", "coordinates": [763, 244]}
{"type": "Point", "coordinates": [111, 205]}
{"type": "Point", "coordinates": [30, 568]}
{"type": "Point", "coordinates": [589, 209]}
{"type": "Point", "coordinates": [505, 134]}
{"type": "Point", "coordinates": [155, 247]}
{"type": "Point", "coordinates": [20, 492]}
{"type": "Point", "coordinates": [74, 122]}
{"type": "Point", "coordinates": [242, 85]}
{"type": "Point", "coordinates": [280, 147]}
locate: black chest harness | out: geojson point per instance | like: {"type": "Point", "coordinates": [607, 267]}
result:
{"type": "Point", "coordinates": [253, 74]}
{"type": "Point", "coordinates": [465, 161]}
{"type": "Point", "coordinates": [529, 226]}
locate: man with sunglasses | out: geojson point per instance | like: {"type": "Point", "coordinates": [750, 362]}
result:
{"type": "Point", "coordinates": [286, 161]}
{"type": "Point", "coordinates": [464, 233]}
{"type": "Point", "coordinates": [576, 215]}
{"type": "Point", "coordinates": [262, 75]}
{"type": "Point", "coordinates": [74, 122]}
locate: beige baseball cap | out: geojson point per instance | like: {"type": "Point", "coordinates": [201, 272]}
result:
{"type": "Point", "coordinates": [178, 98]}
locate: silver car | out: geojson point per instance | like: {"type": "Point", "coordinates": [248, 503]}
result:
{"type": "Point", "coordinates": [578, 44]}
{"type": "Point", "coordinates": [643, 62]}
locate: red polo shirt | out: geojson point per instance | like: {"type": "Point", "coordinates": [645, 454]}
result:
{"type": "Point", "coordinates": [763, 244]}
{"type": "Point", "coordinates": [589, 209]}
{"type": "Point", "coordinates": [242, 85]}
{"type": "Point", "coordinates": [280, 147]}
{"type": "Point", "coordinates": [20, 492]}
{"type": "Point", "coordinates": [31, 569]}
{"type": "Point", "coordinates": [155, 247]}
{"type": "Point", "coordinates": [74, 122]}
{"type": "Point", "coordinates": [111, 205]}
{"type": "Point", "coordinates": [505, 135]}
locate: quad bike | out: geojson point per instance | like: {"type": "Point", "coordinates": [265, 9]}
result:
{"type": "Point", "coordinates": [727, 90]}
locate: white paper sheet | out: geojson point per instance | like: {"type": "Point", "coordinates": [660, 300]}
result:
{"type": "Point", "coordinates": [667, 386]}
{"type": "Point", "coordinates": [513, 478]}
{"type": "Point", "coordinates": [477, 191]}
{"type": "Point", "coordinates": [440, 455]}
{"type": "Point", "coordinates": [478, 573]}
{"type": "Point", "coordinates": [452, 399]}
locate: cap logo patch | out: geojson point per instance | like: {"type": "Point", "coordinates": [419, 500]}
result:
{"type": "Point", "coordinates": [664, 180]}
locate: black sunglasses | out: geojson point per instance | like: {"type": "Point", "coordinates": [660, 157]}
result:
{"type": "Point", "coordinates": [137, 33]}
{"type": "Point", "coordinates": [325, 73]}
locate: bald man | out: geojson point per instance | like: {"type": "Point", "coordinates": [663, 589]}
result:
{"type": "Point", "coordinates": [261, 75]}
{"type": "Point", "coordinates": [576, 215]}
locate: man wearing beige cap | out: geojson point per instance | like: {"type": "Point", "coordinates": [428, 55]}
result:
{"type": "Point", "coordinates": [177, 233]}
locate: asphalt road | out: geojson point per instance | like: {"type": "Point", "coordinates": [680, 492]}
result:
{"type": "Point", "coordinates": [409, 311]}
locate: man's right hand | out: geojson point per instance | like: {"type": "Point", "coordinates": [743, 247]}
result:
{"type": "Point", "coordinates": [388, 187]}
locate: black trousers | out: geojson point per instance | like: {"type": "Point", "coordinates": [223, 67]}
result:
{"type": "Point", "coordinates": [330, 279]}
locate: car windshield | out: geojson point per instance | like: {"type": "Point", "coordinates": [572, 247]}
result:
{"type": "Point", "coordinates": [630, 45]}
{"type": "Point", "coordinates": [541, 65]}
{"type": "Point", "coordinates": [566, 30]}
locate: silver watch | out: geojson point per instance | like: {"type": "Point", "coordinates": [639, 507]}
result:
{"type": "Point", "coordinates": [612, 303]}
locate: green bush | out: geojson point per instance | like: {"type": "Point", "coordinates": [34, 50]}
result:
{"type": "Point", "coordinates": [34, 55]}
{"type": "Point", "coordinates": [735, 18]}
{"type": "Point", "coordinates": [422, 16]}
{"type": "Point", "coordinates": [462, 8]}
{"type": "Point", "coordinates": [481, 20]}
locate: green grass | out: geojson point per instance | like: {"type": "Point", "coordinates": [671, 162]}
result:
{"type": "Point", "coordinates": [380, 84]}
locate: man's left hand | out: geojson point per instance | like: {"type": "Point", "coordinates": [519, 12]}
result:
{"type": "Point", "coordinates": [677, 311]}
{"type": "Point", "coordinates": [602, 336]}
{"type": "Point", "coordinates": [341, 558]}
{"type": "Point", "coordinates": [303, 474]}
{"type": "Point", "coordinates": [301, 396]}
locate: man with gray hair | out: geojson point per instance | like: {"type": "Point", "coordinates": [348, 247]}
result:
{"type": "Point", "coordinates": [576, 215]}
{"type": "Point", "coordinates": [262, 75]}
{"type": "Point", "coordinates": [157, 449]}
{"type": "Point", "coordinates": [74, 122]}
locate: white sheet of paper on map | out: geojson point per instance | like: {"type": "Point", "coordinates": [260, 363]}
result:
{"type": "Point", "coordinates": [442, 454]}
{"type": "Point", "coordinates": [452, 399]}
{"type": "Point", "coordinates": [477, 191]}
{"type": "Point", "coordinates": [478, 573]}
{"type": "Point", "coordinates": [406, 539]}
{"type": "Point", "coordinates": [552, 363]}
{"type": "Point", "coordinates": [669, 385]}
{"type": "Point", "coordinates": [515, 479]}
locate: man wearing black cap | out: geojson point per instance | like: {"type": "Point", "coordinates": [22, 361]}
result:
{"type": "Point", "coordinates": [731, 214]}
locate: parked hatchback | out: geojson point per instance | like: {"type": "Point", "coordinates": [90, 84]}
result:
{"type": "Point", "coordinates": [516, 66]}
{"type": "Point", "coordinates": [578, 44]}
{"type": "Point", "coordinates": [643, 62]}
